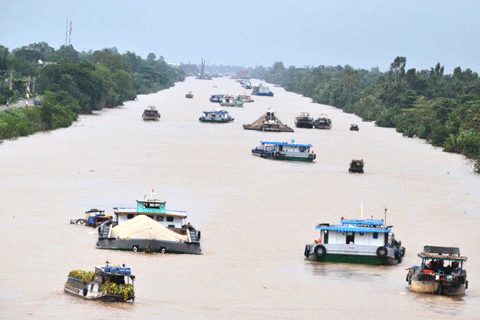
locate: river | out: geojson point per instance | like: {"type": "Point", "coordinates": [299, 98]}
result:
{"type": "Point", "coordinates": [255, 215]}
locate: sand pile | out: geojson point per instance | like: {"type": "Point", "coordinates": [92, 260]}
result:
{"type": "Point", "coordinates": [143, 227]}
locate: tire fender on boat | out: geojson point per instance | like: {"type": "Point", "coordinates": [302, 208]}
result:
{"type": "Point", "coordinates": [163, 250]}
{"type": "Point", "coordinates": [307, 251]}
{"type": "Point", "coordinates": [320, 251]}
{"type": "Point", "coordinates": [382, 252]}
{"type": "Point", "coordinates": [135, 248]}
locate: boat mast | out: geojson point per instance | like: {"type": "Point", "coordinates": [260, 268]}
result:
{"type": "Point", "coordinates": [385, 215]}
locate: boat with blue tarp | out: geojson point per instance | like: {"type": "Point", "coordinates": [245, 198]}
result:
{"type": "Point", "coordinates": [284, 151]}
{"type": "Point", "coordinates": [217, 98]}
{"type": "Point", "coordinates": [262, 91]}
{"type": "Point", "coordinates": [441, 272]}
{"type": "Point", "coordinates": [112, 283]}
{"type": "Point", "coordinates": [218, 115]}
{"type": "Point", "coordinates": [361, 241]}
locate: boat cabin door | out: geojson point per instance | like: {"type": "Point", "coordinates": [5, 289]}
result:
{"type": "Point", "coordinates": [350, 238]}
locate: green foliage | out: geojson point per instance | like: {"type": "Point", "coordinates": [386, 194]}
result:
{"type": "Point", "coordinates": [126, 290]}
{"type": "Point", "coordinates": [443, 109]}
{"type": "Point", "coordinates": [74, 83]}
{"type": "Point", "coordinates": [84, 276]}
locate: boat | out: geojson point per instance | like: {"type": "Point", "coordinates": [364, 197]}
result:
{"type": "Point", "coordinates": [304, 120]}
{"type": "Point", "coordinates": [356, 166]}
{"type": "Point", "coordinates": [216, 98]}
{"type": "Point", "coordinates": [239, 102]}
{"type": "Point", "coordinates": [360, 241]}
{"type": "Point", "coordinates": [217, 115]}
{"type": "Point", "coordinates": [93, 218]}
{"type": "Point", "coordinates": [268, 122]}
{"type": "Point", "coordinates": [441, 272]}
{"type": "Point", "coordinates": [262, 91]}
{"type": "Point", "coordinates": [189, 95]}
{"type": "Point", "coordinates": [354, 127]}
{"type": "Point", "coordinates": [228, 101]}
{"type": "Point", "coordinates": [151, 113]}
{"type": "Point", "coordinates": [245, 98]}
{"type": "Point", "coordinates": [149, 227]}
{"type": "Point", "coordinates": [323, 122]}
{"type": "Point", "coordinates": [284, 151]}
{"type": "Point", "coordinates": [109, 283]}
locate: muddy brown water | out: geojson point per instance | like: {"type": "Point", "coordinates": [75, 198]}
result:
{"type": "Point", "coordinates": [255, 215]}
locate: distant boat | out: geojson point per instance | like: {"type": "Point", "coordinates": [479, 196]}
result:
{"type": "Point", "coordinates": [216, 98]}
{"type": "Point", "coordinates": [218, 115]}
{"type": "Point", "coordinates": [262, 91]}
{"type": "Point", "coordinates": [284, 151]}
{"type": "Point", "coordinates": [323, 122]}
{"type": "Point", "coordinates": [189, 95]}
{"type": "Point", "coordinates": [268, 122]}
{"type": "Point", "coordinates": [151, 113]}
{"type": "Point", "coordinates": [304, 120]}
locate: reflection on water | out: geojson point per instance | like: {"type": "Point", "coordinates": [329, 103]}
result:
{"type": "Point", "coordinates": [346, 272]}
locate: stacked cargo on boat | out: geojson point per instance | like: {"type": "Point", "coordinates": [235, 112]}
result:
{"type": "Point", "coordinates": [151, 228]}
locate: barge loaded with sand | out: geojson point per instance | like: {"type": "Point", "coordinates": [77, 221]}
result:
{"type": "Point", "coordinates": [268, 122]}
{"type": "Point", "coordinates": [149, 228]}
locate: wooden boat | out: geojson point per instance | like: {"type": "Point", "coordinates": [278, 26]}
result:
{"type": "Point", "coordinates": [356, 166]}
{"type": "Point", "coordinates": [109, 283]}
{"type": "Point", "coordinates": [323, 122]}
{"type": "Point", "coordinates": [93, 218]}
{"type": "Point", "coordinates": [354, 127]}
{"type": "Point", "coordinates": [151, 113]}
{"type": "Point", "coordinates": [362, 241]}
{"type": "Point", "coordinates": [189, 95]}
{"type": "Point", "coordinates": [304, 120]}
{"type": "Point", "coordinates": [284, 151]}
{"type": "Point", "coordinates": [441, 272]}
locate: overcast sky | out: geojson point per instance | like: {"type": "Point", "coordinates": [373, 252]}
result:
{"type": "Point", "coordinates": [360, 33]}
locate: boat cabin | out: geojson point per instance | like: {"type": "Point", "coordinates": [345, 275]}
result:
{"type": "Point", "coordinates": [154, 209]}
{"type": "Point", "coordinates": [218, 115]}
{"type": "Point", "coordinates": [272, 146]}
{"type": "Point", "coordinates": [370, 232]}
{"type": "Point", "coordinates": [441, 260]}
{"type": "Point", "coordinates": [216, 98]}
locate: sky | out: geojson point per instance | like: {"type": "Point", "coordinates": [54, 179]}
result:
{"type": "Point", "coordinates": [360, 33]}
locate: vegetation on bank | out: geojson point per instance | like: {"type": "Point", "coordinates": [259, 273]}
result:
{"type": "Point", "coordinates": [442, 108]}
{"type": "Point", "coordinates": [73, 83]}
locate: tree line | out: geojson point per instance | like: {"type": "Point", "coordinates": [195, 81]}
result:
{"type": "Point", "coordinates": [73, 83]}
{"type": "Point", "coordinates": [442, 108]}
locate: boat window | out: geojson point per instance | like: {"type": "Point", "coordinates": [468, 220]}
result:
{"type": "Point", "coordinates": [325, 237]}
{"type": "Point", "coordinates": [375, 235]}
{"type": "Point", "coordinates": [350, 238]}
{"type": "Point", "coordinates": [171, 226]}
{"type": "Point", "coordinates": [130, 216]}
{"type": "Point", "coordinates": [170, 219]}
{"type": "Point", "coordinates": [152, 205]}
